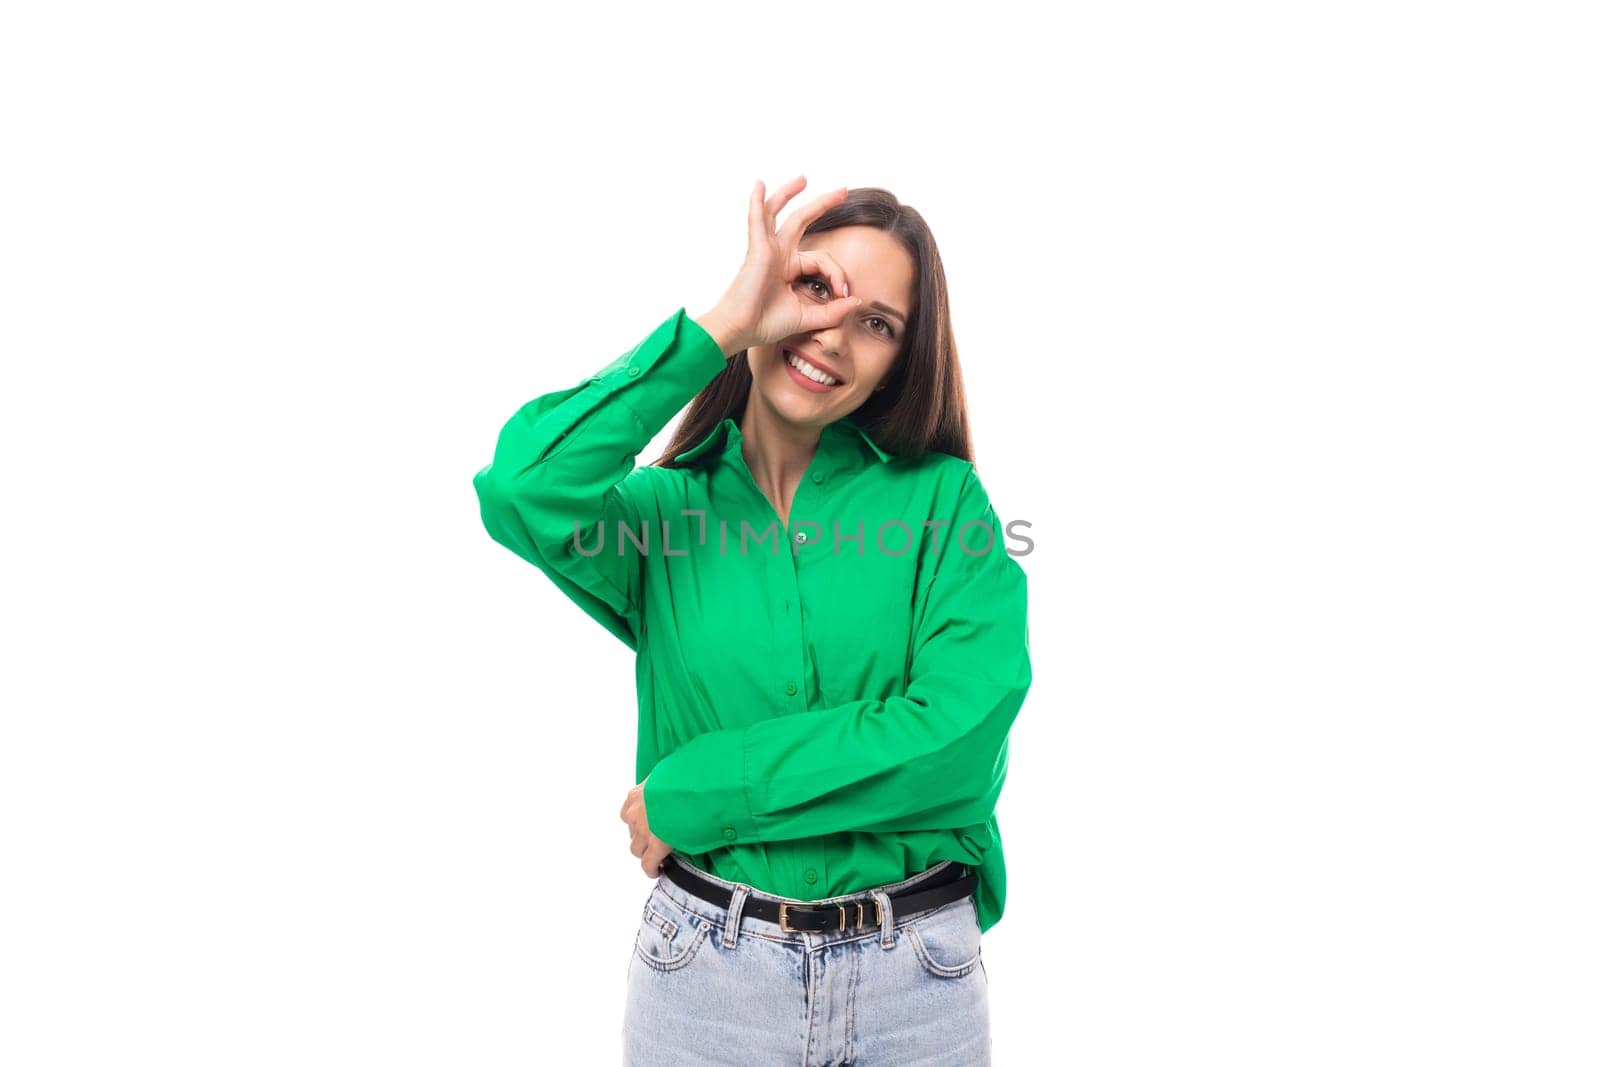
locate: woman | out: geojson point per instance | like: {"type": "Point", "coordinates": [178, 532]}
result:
{"type": "Point", "coordinates": [822, 728]}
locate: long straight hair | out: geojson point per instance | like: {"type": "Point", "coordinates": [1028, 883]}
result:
{"type": "Point", "coordinates": [922, 406]}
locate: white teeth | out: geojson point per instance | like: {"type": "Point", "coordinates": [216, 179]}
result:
{"type": "Point", "coordinates": [808, 370]}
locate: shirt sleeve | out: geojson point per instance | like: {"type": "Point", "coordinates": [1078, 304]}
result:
{"type": "Point", "coordinates": [933, 758]}
{"type": "Point", "coordinates": [562, 466]}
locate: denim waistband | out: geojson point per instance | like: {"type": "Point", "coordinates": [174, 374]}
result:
{"type": "Point", "coordinates": [765, 928]}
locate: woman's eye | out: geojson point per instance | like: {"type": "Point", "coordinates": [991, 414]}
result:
{"type": "Point", "coordinates": [810, 280]}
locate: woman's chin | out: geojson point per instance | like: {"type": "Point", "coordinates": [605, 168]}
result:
{"type": "Point", "coordinates": [801, 410]}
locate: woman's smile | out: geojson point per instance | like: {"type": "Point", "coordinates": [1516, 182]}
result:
{"type": "Point", "coordinates": [808, 375]}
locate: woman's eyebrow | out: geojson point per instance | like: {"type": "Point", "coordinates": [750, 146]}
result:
{"type": "Point", "coordinates": [881, 306]}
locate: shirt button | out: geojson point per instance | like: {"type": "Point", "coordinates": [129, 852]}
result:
{"type": "Point", "coordinates": [790, 688]}
{"type": "Point", "coordinates": [801, 537]}
{"type": "Point", "coordinates": [811, 875]}
{"type": "Point", "coordinates": [729, 832]}
{"type": "Point", "coordinates": [816, 476]}
{"type": "Point", "coordinates": [633, 372]}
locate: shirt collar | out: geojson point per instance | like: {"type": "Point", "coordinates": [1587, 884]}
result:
{"type": "Point", "coordinates": [726, 433]}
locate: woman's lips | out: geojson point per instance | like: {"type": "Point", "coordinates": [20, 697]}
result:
{"type": "Point", "coordinates": [801, 380]}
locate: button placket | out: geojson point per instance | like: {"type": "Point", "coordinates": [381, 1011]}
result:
{"type": "Point", "coordinates": [813, 860]}
{"type": "Point", "coordinates": [788, 633]}
{"type": "Point", "coordinates": [791, 623]}
{"type": "Point", "coordinates": [813, 871]}
{"type": "Point", "coordinates": [802, 499]}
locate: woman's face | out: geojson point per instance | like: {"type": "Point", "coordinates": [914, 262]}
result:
{"type": "Point", "coordinates": [858, 353]}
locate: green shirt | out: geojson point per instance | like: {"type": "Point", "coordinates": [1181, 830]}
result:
{"type": "Point", "coordinates": [823, 711]}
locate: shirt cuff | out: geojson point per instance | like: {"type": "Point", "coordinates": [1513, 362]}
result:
{"type": "Point", "coordinates": [695, 799]}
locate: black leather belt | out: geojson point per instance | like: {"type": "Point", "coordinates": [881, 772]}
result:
{"type": "Point", "coordinates": [952, 883]}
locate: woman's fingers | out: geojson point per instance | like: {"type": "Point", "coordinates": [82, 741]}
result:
{"type": "Point", "coordinates": [764, 209]}
{"type": "Point", "coordinates": [654, 856]}
{"type": "Point", "coordinates": [784, 194]}
{"type": "Point", "coordinates": [822, 316]}
{"type": "Point", "coordinates": [773, 259]}
{"type": "Point", "coordinates": [816, 261]}
{"type": "Point", "coordinates": [797, 223]}
{"type": "Point", "coordinates": [755, 217]}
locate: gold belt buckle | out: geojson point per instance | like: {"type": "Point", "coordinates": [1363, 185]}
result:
{"type": "Point", "coordinates": [861, 916]}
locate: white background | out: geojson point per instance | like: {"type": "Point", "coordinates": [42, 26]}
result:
{"type": "Point", "coordinates": [1279, 326]}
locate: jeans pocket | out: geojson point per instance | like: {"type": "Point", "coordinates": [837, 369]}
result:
{"type": "Point", "coordinates": [669, 936]}
{"type": "Point", "coordinates": [948, 941]}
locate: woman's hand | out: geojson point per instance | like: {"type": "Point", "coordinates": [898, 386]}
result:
{"type": "Point", "coordinates": [650, 849]}
{"type": "Point", "coordinates": [762, 305]}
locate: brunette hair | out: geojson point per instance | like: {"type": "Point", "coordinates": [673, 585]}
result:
{"type": "Point", "coordinates": [922, 406]}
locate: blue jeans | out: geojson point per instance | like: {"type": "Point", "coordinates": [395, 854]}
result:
{"type": "Point", "coordinates": [708, 985]}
